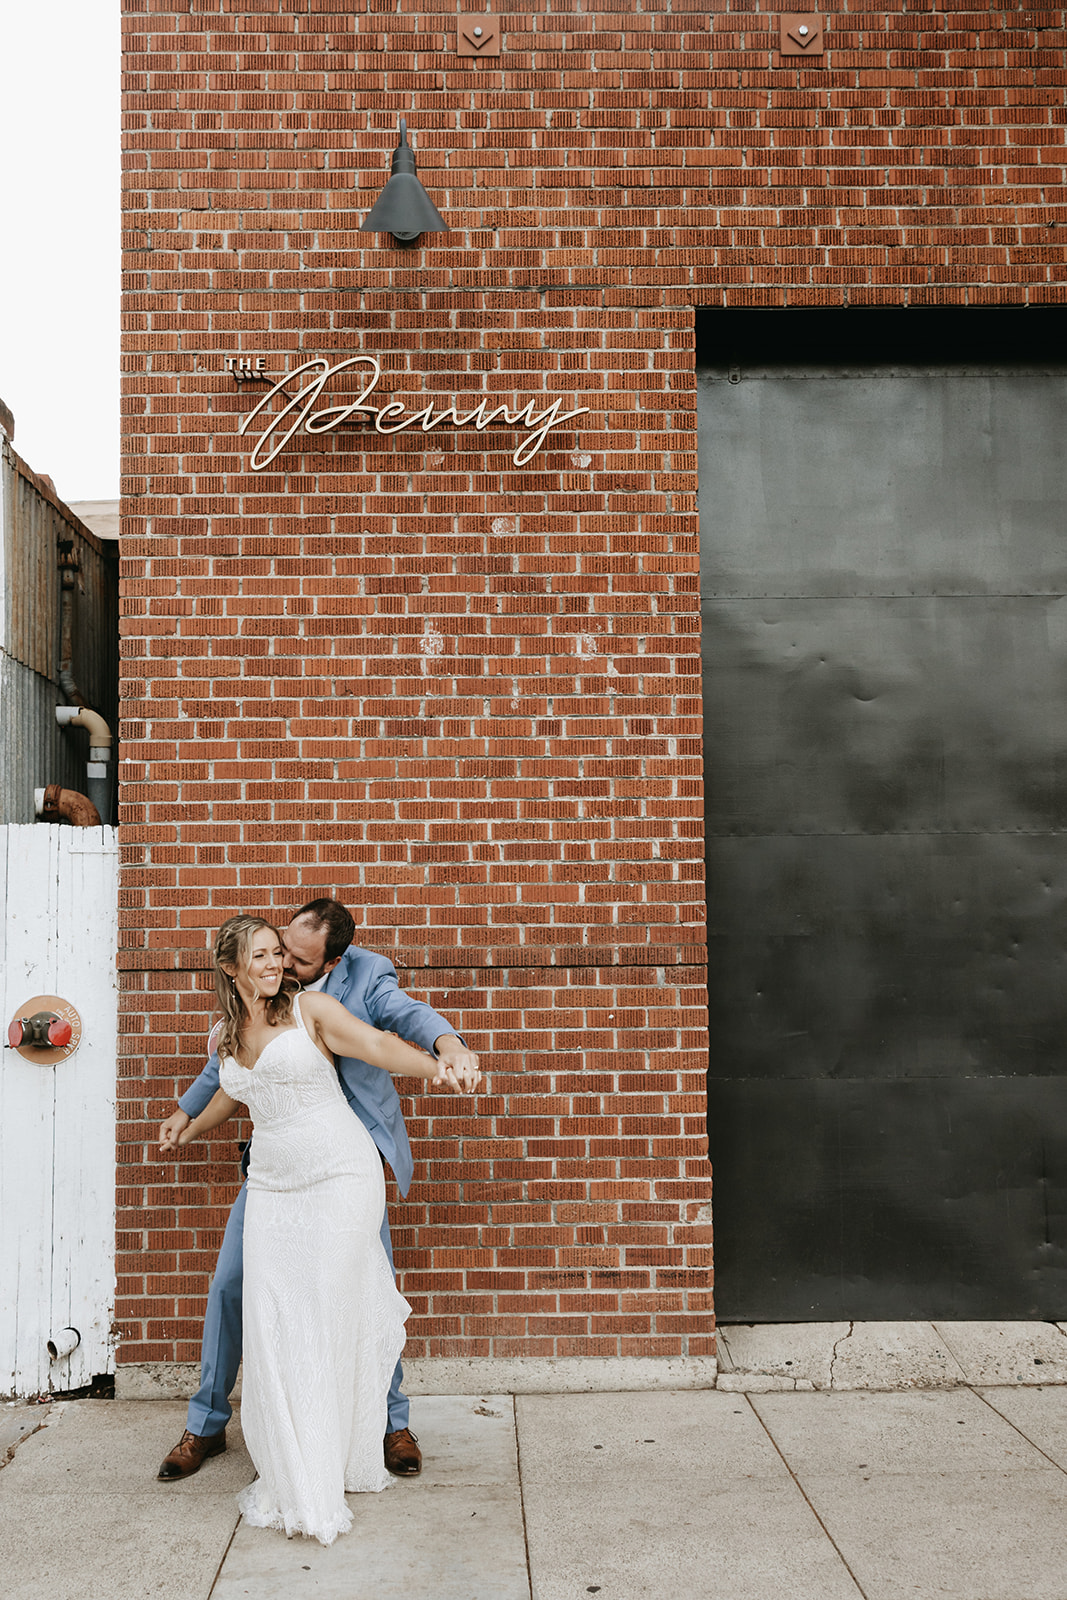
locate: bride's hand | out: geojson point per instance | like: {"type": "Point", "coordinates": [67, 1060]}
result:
{"type": "Point", "coordinates": [170, 1132]}
{"type": "Point", "coordinates": [460, 1073]}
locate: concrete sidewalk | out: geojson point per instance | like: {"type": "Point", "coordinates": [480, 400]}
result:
{"type": "Point", "coordinates": [798, 1495]}
{"type": "Point", "coordinates": [889, 1355]}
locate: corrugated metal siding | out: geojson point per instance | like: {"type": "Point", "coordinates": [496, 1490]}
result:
{"type": "Point", "coordinates": [32, 636]}
{"type": "Point", "coordinates": [35, 750]}
{"type": "Point", "coordinates": [33, 529]}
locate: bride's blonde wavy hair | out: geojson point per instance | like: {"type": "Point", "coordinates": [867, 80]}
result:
{"type": "Point", "coordinates": [233, 947]}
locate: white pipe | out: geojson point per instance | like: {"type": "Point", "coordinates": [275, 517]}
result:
{"type": "Point", "coordinates": [99, 753]}
{"type": "Point", "coordinates": [99, 732]}
{"type": "Point", "coordinates": [63, 1343]}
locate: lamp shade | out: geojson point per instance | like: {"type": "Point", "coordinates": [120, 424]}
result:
{"type": "Point", "coordinates": [403, 208]}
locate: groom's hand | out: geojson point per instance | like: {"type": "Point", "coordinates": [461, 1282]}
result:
{"type": "Point", "coordinates": [457, 1067]}
{"type": "Point", "coordinates": [171, 1131]}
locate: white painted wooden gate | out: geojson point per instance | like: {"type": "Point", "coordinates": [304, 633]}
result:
{"type": "Point", "coordinates": [59, 912]}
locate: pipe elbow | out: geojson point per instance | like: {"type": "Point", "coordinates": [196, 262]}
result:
{"type": "Point", "coordinates": [66, 805]}
{"type": "Point", "coordinates": [92, 721]}
{"type": "Point", "coordinates": [62, 1343]}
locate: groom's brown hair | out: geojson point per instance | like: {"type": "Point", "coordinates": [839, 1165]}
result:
{"type": "Point", "coordinates": [339, 925]}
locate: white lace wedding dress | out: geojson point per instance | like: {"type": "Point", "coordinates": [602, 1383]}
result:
{"type": "Point", "coordinates": [323, 1320]}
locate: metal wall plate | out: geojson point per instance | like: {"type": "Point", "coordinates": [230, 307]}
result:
{"type": "Point", "coordinates": [836, 1199]}
{"type": "Point", "coordinates": [802, 34]}
{"type": "Point", "coordinates": [478, 34]}
{"type": "Point", "coordinates": [885, 693]}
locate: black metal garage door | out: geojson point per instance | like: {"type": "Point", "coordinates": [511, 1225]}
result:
{"type": "Point", "coordinates": [884, 567]}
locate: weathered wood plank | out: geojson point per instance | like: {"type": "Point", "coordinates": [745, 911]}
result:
{"type": "Point", "coordinates": [27, 1097]}
{"type": "Point", "coordinates": [83, 1272]}
{"type": "Point", "coordinates": [57, 1153]}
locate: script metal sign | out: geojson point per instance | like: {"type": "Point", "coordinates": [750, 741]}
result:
{"type": "Point", "coordinates": [301, 410]}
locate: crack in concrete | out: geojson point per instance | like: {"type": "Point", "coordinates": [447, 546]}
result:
{"type": "Point", "coordinates": [9, 1453]}
{"type": "Point", "coordinates": [837, 1344]}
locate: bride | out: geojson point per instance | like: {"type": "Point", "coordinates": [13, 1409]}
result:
{"type": "Point", "coordinates": [323, 1320]}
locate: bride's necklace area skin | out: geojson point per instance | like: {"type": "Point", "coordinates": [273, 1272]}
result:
{"type": "Point", "coordinates": [258, 1033]}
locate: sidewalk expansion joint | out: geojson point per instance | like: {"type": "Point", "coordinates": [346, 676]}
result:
{"type": "Point", "coordinates": [522, 1492]}
{"type": "Point", "coordinates": [222, 1558]}
{"type": "Point", "coordinates": [984, 1397]}
{"type": "Point", "coordinates": [860, 1590]}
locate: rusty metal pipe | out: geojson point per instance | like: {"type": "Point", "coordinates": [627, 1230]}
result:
{"type": "Point", "coordinates": [66, 637]}
{"type": "Point", "coordinates": [65, 805]}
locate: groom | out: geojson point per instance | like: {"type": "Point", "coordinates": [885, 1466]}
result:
{"type": "Point", "coordinates": [320, 955]}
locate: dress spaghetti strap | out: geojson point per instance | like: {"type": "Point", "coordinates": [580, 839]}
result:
{"type": "Point", "coordinates": [302, 1025]}
{"type": "Point", "coordinates": [299, 1019]}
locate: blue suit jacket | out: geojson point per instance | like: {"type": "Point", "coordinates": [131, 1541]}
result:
{"type": "Point", "coordinates": [366, 984]}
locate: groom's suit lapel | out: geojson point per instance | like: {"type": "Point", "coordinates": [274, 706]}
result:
{"type": "Point", "coordinates": [340, 980]}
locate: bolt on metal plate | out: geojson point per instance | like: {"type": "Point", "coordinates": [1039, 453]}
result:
{"type": "Point", "coordinates": [477, 34]}
{"type": "Point", "coordinates": [802, 34]}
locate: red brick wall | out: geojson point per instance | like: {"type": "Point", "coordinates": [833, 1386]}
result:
{"type": "Point", "coordinates": [461, 695]}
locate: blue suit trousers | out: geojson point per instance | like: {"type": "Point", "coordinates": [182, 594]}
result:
{"type": "Point", "coordinates": [210, 1409]}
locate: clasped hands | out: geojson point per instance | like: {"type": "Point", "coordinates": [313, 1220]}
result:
{"type": "Point", "coordinates": [170, 1132]}
{"type": "Point", "coordinates": [458, 1070]}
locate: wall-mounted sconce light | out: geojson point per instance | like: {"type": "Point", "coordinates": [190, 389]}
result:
{"type": "Point", "coordinates": [403, 208]}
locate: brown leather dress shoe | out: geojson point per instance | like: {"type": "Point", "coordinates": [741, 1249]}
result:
{"type": "Point", "coordinates": [402, 1454]}
{"type": "Point", "coordinates": [190, 1453]}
